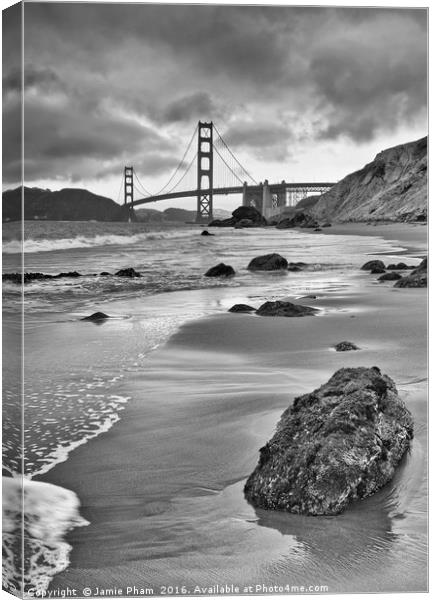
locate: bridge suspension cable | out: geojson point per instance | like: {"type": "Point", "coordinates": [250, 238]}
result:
{"type": "Point", "coordinates": [147, 192]}
{"type": "Point", "coordinates": [183, 175]}
{"type": "Point", "coordinates": [228, 172]}
{"type": "Point", "coordinates": [244, 171]}
{"type": "Point", "coordinates": [180, 164]}
{"type": "Point", "coordinates": [120, 187]}
{"type": "Point", "coordinates": [226, 182]}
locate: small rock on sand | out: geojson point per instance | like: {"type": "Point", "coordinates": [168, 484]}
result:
{"type": "Point", "coordinates": [398, 267]}
{"type": "Point", "coordinates": [268, 262]}
{"type": "Point", "coordinates": [241, 308]}
{"type": "Point", "coordinates": [220, 270]}
{"type": "Point", "coordinates": [280, 308]}
{"type": "Point", "coordinates": [130, 272]}
{"type": "Point", "coordinates": [373, 264]}
{"type": "Point", "coordinates": [390, 276]}
{"type": "Point", "coordinates": [346, 346]}
{"type": "Point", "coordinates": [98, 316]}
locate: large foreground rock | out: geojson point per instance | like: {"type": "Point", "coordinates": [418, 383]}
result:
{"type": "Point", "coordinates": [417, 278]}
{"type": "Point", "coordinates": [268, 262]}
{"type": "Point", "coordinates": [285, 309]}
{"type": "Point", "coordinates": [340, 443]}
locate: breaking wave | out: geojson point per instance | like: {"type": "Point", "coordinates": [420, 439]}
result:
{"type": "Point", "coordinates": [49, 512]}
{"type": "Point", "coordinates": [33, 245]}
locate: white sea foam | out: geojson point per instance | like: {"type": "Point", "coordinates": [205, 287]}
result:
{"type": "Point", "coordinates": [49, 511]}
{"type": "Point", "coordinates": [51, 244]}
{"type": "Point", "coordinates": [61, 453]}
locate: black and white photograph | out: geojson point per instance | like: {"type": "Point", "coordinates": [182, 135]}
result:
{"type": "Point", "coordinates": [215, 303]}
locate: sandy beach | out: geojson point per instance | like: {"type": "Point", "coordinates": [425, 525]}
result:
{"type": "Point", "coordinates": [163, 488]}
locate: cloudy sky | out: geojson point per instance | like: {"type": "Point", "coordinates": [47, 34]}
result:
{"type": "Point", "coordinates": [298, 93]}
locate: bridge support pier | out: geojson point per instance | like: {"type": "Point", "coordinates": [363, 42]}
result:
{"type": "Point", "coordinates": [246, 201]}
{"type": "Point", "coordinates": [266, 199]}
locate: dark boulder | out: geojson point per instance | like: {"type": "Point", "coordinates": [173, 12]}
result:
{"type": "Point", "coordinates": [130, 272]}
{"type": "Point", "coordinates": [398, 267]}
{"type": "Point", "coordinates": [73, 274]}
{"type": "Point", "coordinates": [29, 277]}
{"type": "Point", "coordinates": [346, 347]}
{"type": "Point", "coordinates": [268, 262]}
{"type": "Point", "coordinates": [250, 213]}
{"type": "Point", "coordinates": [220, 270]}
{"type": "Point", "coordinates": [241, 308]}
{"type": "Point", "coordinates": [390, 276]}
{"type": "Point", "coordinates": [205, 232]}
{"type": "Point", "coordinates": [377, 271]}
{"type": "Point", "coordinates": [373, 264]}
{"type": "Point", "coordinates": [338, 444]}
{"type": "Point", "coordinates": [280, 308]}
{"type": "Point", "coordinates": [300, 219]}
{"type": "Point", "coordinates": [246, 214]}
{"type": "Point", "coordinates": [105, 274]}
{"type": "Point", "coordinates": [317, 229]}
{"type": "Point", "coordinates": [417, 278]}
{"type": "Point", "coordinates": [98, 316]}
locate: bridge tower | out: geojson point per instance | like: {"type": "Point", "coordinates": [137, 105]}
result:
{"type": "Point", "coordinates": [204, 172]}
{"type": "Point", "coordinates": [129, 190]}
{"type": "Point", "coordinates": [128, 185]}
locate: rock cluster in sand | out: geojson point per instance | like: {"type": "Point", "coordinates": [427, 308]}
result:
{"type": "Point", "coordinates": [243, 216]}
{"type": "Point", "coordinates": [417, 278]}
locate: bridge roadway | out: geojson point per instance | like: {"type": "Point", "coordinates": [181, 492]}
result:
{"type": "Point", "coordinates": [274, 188]}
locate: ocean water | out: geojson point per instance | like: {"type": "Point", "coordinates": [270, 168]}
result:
{"type": "Point", "coordinates": [80, 378]}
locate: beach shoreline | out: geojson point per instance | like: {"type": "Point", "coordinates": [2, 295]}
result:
{"type": "Point", "coordinates": [224, 380]}
{"type": "Point", "coordinates": [413, 236]}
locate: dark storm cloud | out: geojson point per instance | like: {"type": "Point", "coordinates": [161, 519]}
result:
{"type": "Point", "coordinates": [372, 78]}
{"type": "Point", "coordinates": [198, 105]}
{"type": "Point", "coordinates": [263, 139]}
{"type": "Point", "coordinates": [65, 136]}
{"type": "Point", "coordinates": [246, 42]}
{"type": "Point", "coordinates": [33, 77]}
{"type": "Point", "coordinates": [108, 69]}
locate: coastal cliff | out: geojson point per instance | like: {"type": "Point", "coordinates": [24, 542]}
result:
{"type": "Point", "coordinates": [392, 187]}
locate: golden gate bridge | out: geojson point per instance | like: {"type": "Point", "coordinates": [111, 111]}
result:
{"type": "Point", "coordinates": [210, 168]}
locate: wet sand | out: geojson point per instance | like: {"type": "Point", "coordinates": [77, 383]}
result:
{"type": "Point", "coordinates": [162, 489]}
{"type": "Point", "coordinates": [413, 236]}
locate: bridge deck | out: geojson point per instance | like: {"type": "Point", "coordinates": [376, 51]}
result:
{"type": "Point", "coordinates": [274, 187]}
